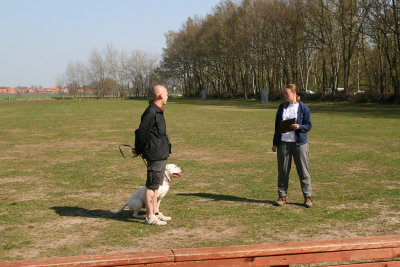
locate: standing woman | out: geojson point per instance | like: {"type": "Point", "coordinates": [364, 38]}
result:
{"type": "Point", "coordinates": [293, 143]}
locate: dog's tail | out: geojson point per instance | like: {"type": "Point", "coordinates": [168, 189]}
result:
{"type": "Point", "coordinates": [121, 209]}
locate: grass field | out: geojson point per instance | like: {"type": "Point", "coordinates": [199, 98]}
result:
{"type": "Point", "coordinates": [61, 173]}
{"type": "Point", "coordinates": [29, 96]}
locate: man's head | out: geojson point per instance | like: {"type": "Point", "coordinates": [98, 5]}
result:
{"type": "Point", "coordinates": [160, 95]}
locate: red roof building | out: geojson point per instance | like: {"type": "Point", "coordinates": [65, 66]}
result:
{"type": "Point", "coordinates": [25, 90]}
{"type": "Point", "coordinates": [41, 90]}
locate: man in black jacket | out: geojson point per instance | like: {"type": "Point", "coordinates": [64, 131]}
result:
{"type": "Point", "coordinates": [152, 142]}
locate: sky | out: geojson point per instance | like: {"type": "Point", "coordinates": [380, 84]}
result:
{"type": "Point", "coordinates": [39, 37]}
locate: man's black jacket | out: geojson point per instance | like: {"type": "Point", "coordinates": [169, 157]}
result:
{"type": "Point", "coordinates": [151, 139]}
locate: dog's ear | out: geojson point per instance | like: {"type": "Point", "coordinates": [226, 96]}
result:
{"type": "Point", "coordinates": [167, 174]}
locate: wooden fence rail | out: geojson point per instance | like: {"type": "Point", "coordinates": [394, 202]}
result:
{"type": "Point", "coordinates": [274, 254]}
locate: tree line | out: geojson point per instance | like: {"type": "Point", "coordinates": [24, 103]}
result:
{"type": "Point", "coordinates": [110, 72]}
{"type": "Point", "coordinates": [320, 45]}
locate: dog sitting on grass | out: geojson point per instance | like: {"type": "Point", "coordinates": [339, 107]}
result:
{"type": "Point", "coordinates": [137, 199]}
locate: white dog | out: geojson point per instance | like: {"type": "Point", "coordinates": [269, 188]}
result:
{"type": "Point", "coordinates": [137, 199]}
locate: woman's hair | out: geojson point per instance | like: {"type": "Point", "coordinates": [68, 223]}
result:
{"type": "Point", "coordinates": [294, 89]}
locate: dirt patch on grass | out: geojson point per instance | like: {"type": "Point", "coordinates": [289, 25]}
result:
{"type": "Point", "coordinates": [23, 254]}
{"type": "Point", "coordinates": [201, 155]}
{"type": "Point", "coordinates": [75, 143]}
{"type": "Point", "coordinates": [56, 236]}
{"type": "Point", "coordinates": [359, 167]}
{"type": "Point", "coordinates": [22, 188]}
{"type": "Point", "coordinates": [392, 185]}
{"type": "Point", "coordinates": [19, 179]}
{"type": "Point", "coordinates": [183, 238]}
{"type": "Point", "coordinates": [389, 219]}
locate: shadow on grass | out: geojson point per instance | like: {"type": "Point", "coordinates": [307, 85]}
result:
{"type": "Point", "coordinates": [216, 197]}
{"type": "Point", "coordinates": [125, 215]}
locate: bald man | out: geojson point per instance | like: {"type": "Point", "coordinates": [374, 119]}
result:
{"type": "Point", "coordinates": [152, 142]}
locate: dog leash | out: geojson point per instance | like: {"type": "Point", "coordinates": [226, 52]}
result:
{"type": "Point", "coordinates": [122, 153]}
{"type": "Point", "coordinates": [120, 150]}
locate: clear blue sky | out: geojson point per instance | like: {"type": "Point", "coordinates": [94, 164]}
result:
{"type": "Point", "coordinates": [39, 37]}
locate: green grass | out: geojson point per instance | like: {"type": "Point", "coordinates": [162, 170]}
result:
{"type": "Point", "coordinates": [30, 96]}
{"type": "Point", "coordinates": [61, 171]}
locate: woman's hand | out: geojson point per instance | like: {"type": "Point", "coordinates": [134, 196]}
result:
{"type": "Point", "coordinates": [273, 148]}
{"type": "Point", "coordinates": [294, 127]}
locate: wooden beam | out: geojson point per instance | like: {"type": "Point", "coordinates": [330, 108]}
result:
{"type": "Point", "coordinates": [289, 248]}
{"type": "Point", "coordinates": [119, 259]}
{"type": "Point", "coordinates": [274, 254]}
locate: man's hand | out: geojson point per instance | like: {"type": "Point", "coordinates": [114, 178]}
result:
{"type": "Point", "coordinates": [294, 127]}
{"type": "Point", "coordinates": [273, 148]}
{"type": "Point", "coordinates": [135, 154]}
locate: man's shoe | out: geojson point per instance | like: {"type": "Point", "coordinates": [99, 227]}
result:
{"type": "Point", "coordinates": [153, 220]}
{"type": "Point", "coordinates": [307, 202]}
{"type": "Point", "coordinates": [280, 201]}
{"type": "Point", "coordinates": [162, 217]}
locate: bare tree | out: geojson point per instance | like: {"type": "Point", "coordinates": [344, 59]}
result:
{"type": "Point", "coordinates": [384, 33]}
{"type": "Point", "coordinates": [112, 70]}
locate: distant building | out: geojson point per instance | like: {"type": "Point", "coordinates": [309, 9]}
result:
{"type": "Point", "coordinates": [38, 90]}
{"type": "Point", "coordinates": [42, 90]}
{"type": "Point", "coordinates": [25, 90]}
